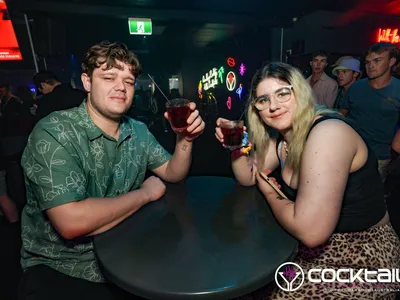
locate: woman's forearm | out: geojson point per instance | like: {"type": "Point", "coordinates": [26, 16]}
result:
{"type": "Point", "coordinates": [243, 169]}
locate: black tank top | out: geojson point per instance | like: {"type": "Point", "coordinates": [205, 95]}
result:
{"type": "Point", "coordinates": [363, 202]}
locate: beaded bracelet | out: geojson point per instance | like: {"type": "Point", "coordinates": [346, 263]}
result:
{"type": "Point", "coordinates": [245, 146]}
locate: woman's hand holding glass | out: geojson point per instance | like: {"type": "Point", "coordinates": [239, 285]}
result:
{"type": "Point", "coordinates": [218, 131]}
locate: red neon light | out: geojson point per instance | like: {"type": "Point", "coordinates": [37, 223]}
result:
{"type": "Point", "coordinates": [9, 48]}
{"type": "Point", "coordinates": [231, 62]}
{"type": "Point", "coordinates": [230, 78]}
{"type": "Point", "coordinates": [229, 103]}
{"type": "Point", "coordinates": [388, 35]}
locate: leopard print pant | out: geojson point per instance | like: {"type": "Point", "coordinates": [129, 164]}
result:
{"type": "Point", "coordinates": [371, 249]}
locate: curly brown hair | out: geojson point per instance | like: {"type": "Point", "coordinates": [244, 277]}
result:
{"type": "Point", "coordinates": [109, 53]}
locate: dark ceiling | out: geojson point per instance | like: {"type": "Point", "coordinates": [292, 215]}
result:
{"type": "Point", "coordinates": [191, 23]}
{"type": "Point", "coordinates": [61, 27]}
{"type": "Point", "coordinates": [234, 11]}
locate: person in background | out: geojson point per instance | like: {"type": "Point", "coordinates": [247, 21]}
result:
{"type": "Point", "coordinates": [7, 206]}
{"type": "Point", "coordinates": [16, 124]}
{"type": "Point", "coordinates": [10, 105]}
{"type": "Point", "coordinates": [56, 95]}
{"type": "Point", "coordinates": [347, 72]}
{"type": "Point", "coordinates": [394, 166]}
{"type": "Point", "coordinates": [25, 94]}
{"type": "Point", "coordinates": [373, 103]}
{"type": "Point", "coordinates": [85, 173]}
{"type": "Point", "coordinates": [335, 202]}
{"type": "Point", "coordinates": [324, 88]}
{"type": "Point", "coordinates": [337, 62]}
{"type": "Point", "coordinates": [396, 143]}
{"type": "Point", "coordinates": [396, 70]}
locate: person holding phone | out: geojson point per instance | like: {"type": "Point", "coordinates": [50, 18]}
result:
{"type": "Point", "coordinates": [335, 202]}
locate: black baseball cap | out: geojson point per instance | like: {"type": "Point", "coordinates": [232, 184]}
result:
{"type": "Point", "coordinates": [43, 76]}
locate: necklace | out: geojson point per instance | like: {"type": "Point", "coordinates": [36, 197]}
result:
{"type": "Point", "coordinates": [285, 146]}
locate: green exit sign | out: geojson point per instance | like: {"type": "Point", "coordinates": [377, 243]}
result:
{"type": "Point", "coordinates": [140, 26]}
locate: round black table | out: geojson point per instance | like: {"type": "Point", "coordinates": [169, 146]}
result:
{"type": "Point", "coordinates": [207, 238]}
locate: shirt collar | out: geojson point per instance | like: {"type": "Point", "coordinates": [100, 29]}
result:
{"type": "Point", "coordinates": [324, 76]}
{"type": "Point", "coordinates": [86, 122]}
{"type": "Point", "coordinates": [93, 131]}
{"type": "Point", "coordinates": [125, 130]}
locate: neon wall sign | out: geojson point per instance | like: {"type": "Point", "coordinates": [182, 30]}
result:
{"type": "Point", "coordinates": [231, 62]}
{"type": "Point", "coordinates": [228, 76]}
{"type": "Point", "coordinates": [388, 35]}
{"type": "Point", "coordinates": [9, 48]}
{"type": "Point", "coordinates": [242, 69]}
{"type": "Point", "coordinates": [239, 91]}
{"type": "Point", "coordinates": [230, 81]}
{"type": "Point", "coordinates": [229, 103]}
{"type": "Point", "coordinates": [210, 80]}
{"type": "Point", "coordinates": [200, 90]}
{"type": "Point", "coordinates": [221, 72]}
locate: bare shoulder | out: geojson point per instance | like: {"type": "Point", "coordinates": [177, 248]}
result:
{"type": "Point", "coordinates": [332, 127]}
{"type": "Point", "coordinates": [333, 136]}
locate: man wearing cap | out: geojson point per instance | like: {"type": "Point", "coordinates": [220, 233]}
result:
{"type": "Point", "coordinates": [347, 70]}
{"type": "Point", "coordinates": [324, 87]}
{"type": "Point", "coordinates": [373, 104]}
{"type": "Point", "coordinates": [56, 95]}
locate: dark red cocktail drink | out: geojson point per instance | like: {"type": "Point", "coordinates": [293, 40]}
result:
{"type": "Point", "coordinates": [233, 134]}
{"type": "Point", "coordinates": [178, 111]}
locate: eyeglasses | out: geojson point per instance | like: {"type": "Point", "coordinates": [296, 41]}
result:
{"type": "Point", "coordinates": [281, 95]}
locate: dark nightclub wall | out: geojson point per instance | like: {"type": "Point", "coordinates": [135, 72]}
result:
{"type": "Point", "coordinates": [320, 31]}
{"type": "Point", "coordinates": [63, 48]}
{"type": "Point", "coordinates": [248, 49]}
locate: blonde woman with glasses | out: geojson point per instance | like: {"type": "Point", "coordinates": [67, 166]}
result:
{"type": "Point", "coordinates": [335, 199]}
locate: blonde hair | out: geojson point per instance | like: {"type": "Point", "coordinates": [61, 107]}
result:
{"type": "Point", "coordinates": [305, 113]}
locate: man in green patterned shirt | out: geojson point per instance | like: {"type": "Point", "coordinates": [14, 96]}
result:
{"type": "Point", "coordinates": [84, 172]}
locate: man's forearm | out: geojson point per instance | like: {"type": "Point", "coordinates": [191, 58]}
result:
{"type": "Point", "coordinates": [96, 215]}
{"type": "Point", "coordinates": [179, 164]}
{"type": "Point", "coordinates": [107, 213]}
{"type": "Point", "coordinates": [111, 224]}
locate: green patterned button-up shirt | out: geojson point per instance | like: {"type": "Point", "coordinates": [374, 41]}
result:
{"type": "Point", "coordinates": [68, 158]}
